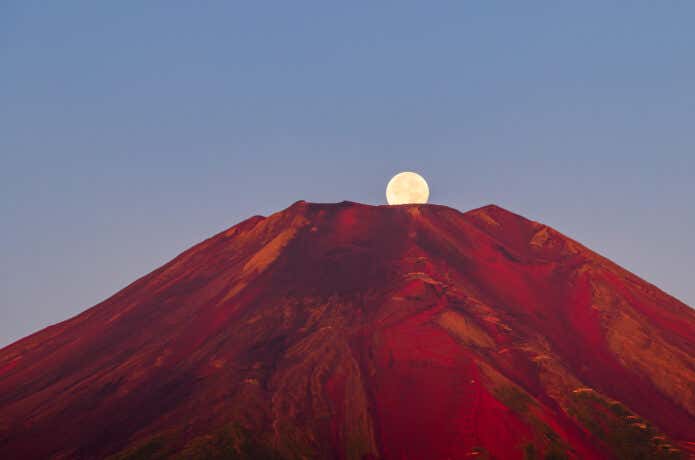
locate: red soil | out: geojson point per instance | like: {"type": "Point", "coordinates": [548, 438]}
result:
{"type": "Point", "coordinates": [353, 331]}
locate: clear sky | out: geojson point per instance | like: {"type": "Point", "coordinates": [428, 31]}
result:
{"type": "Point", "coordinates": [131, 130]}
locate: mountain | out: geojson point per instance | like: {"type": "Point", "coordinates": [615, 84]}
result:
{"type": "Point", "coordinates": [350, 331]}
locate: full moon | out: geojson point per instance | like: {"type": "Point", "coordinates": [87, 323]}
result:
{"type": "Point", "coordinates": [407, 188]}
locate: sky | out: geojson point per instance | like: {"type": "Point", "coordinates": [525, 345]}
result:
{"type": "Point", "coordinates": [130, 131]}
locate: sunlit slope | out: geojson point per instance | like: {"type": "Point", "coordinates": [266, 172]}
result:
{"type": "Point", "coordinates": [353, 331]}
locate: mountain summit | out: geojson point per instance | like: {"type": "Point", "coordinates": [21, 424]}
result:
{"type": "Point", "coordinates": [350, 331]}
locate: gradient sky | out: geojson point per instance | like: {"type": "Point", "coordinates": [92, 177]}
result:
{"type": "Point", "coordinates": [130, 131]}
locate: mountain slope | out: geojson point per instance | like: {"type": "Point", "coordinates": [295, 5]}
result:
{"type": "Point", "coordinates": [353, 331]}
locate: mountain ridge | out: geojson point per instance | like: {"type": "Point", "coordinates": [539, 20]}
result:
{"type": "Point", "coordinates": [347, 331]}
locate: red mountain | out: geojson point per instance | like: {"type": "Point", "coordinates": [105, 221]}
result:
{"type": "Point", "coordinates": [361, 332]}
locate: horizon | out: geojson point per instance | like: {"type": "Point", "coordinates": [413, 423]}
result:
{"type": "Point", "coordinates": [333, 203]}
{"type": "Point", "coordinates": [338, 204]}
{"type": "Point", "coordinates": [131, 132]}
{"type": "Point", "coordinates": [345, 330]}
{"type": "Point", "coordinates": [363, 230]}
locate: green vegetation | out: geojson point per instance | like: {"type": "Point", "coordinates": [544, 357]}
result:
{"type": "Point", "coordinates": [231, 442]}
{"type": "Point", "coordinates": [521, 403]}
{"type": "Point", "coordinates": [530, 452]}
{"type": "Point", "coordinates": [514, 398]}
{"type": "Point", "coordinates": [150, 449]}
{"type": "Point", "coordinates": [555, 452]}
{"type": "Point", "coordinates": [626, 434]}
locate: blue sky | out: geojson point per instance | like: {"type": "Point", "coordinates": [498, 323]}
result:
{"type": "Point", "coordinates": [130, 131]}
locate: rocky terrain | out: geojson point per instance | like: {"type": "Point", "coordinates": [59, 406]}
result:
{"type": "Point", "coordinates": [350, 331]}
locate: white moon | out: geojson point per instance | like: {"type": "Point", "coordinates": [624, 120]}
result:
{"type": "Point", "coordinates": [407, 188]}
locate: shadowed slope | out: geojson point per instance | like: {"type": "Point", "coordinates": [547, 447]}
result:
{"type": "Point", "coordinates": [353, 331]}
